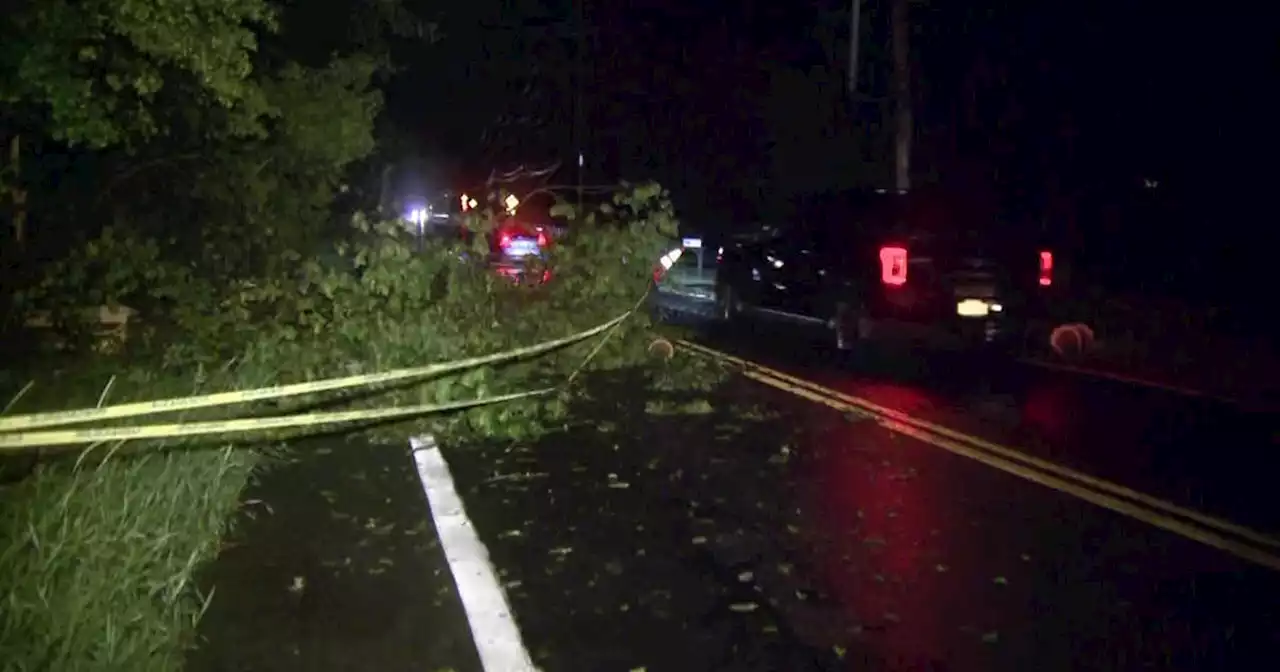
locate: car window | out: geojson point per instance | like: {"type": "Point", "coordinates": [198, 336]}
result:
{"type": "Point", "coordinates": [689, 258]}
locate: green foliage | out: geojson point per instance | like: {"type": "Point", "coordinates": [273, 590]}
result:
{"type": "Point", "coordinates": [98, 555]}
{"type": "Point", "coordinates": [281, 188]}
{"type": "Point", "coordinates": [214, 155]}
{"type": "Point", "coordinates": [380, 303]}
{"type": "Point", "coordinates": [116, 268]}
{"type": "Point", "coordinates": [324, 116]}
{"type": "Point", "coordinates": [377, 303]}
{"type": "Point", "coordinates": [192, 123]}
{"type": "Point", "coordinates": [95, 67]}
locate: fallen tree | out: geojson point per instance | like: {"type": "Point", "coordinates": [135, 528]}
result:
{"type": "Point", "coordinates": [106, 539]}
{"type": "Point", "coordinates": [186, 160]}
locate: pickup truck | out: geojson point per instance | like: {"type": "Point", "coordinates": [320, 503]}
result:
{"type": "Point", "coordinates": [930, 269]}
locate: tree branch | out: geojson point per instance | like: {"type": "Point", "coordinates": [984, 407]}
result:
{"type": "Point", "coordinates": [123, 177]}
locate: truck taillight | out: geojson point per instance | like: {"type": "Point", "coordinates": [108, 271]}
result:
{"type": "Point", "coordinates": [893, 265]}
{"type": "Point", "coordinates": [1046, 268]}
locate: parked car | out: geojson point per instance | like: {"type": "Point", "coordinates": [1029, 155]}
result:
{"type": "Point", "coordinates": [929, 268]}
{"type": "Point", "coordinates": [516, 248]}
{"type": "Point", "coordinates": [685, 280]}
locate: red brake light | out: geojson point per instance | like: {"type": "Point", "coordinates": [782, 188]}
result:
{"type": "Point", "coordinates": [893, 265]}
{"type": "Point", "coordinates": [504, 239]}
{"type": "Point", "coordinates": [542, 239]}
{"type": "Point", "coordinates": [1046, 268]}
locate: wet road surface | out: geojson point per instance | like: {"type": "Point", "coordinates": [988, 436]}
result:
{"type": "Point", "coordinates": [1193, 451]}
{"type": "Point", "coordinates": [761, 531]}
{"type": "Point", "coordinates": [333, 565]}
{"type": "Point", "coordinates": [768, 533]}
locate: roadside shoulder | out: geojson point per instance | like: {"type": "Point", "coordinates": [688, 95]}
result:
{"type": "Point", "coordinates": [1166, 345]}
{"type": "Point", "coordinates": [334, 564]}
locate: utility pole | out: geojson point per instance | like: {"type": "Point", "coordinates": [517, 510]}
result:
{"type": "Point", "coordinates": [579, 130]}
{"type": "Point", "coordinates": [900, 27]}
{"type": "Point", "coordinates": [855, 45]}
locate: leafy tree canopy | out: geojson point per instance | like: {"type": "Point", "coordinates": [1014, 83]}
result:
{"type": "Point", "coordinates": [228, 126]}
{"type": "Point", "coordinates": [91, 71]}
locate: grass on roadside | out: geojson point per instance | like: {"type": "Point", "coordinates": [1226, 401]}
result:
{"type": "Point", "coordinates": [99, 549]}
{"type": "Point", "coordinates": [97, 552]}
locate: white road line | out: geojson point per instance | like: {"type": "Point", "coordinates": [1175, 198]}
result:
{"type": "Point", "coordinates": [493, 628]}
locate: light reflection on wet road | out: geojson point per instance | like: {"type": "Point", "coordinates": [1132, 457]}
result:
{"type": "Point", "coordinates": [1191, 451]}
{"type": "Point", "coordinates": [821, 541]}
{"type": "Point", "coordinates": [1065, 585]}
{"type": "Point", "coordinates": [942, 563]}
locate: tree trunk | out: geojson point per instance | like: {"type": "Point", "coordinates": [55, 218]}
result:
{"type": "Point", "coordinates": [17, 195]}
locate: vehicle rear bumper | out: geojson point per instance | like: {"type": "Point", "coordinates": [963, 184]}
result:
{"type": "Point", "coordinates": [519, 272]}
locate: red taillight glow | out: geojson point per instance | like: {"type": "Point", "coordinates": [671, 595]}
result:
{"type": "Point", "coordinates": [1046, 268]}
{"type": "Point", "coordinates": [504, 240]}
{"type": "Point", "coordinates": [542, 239]}
{"type": "Point", "coordinates": [893, 265]}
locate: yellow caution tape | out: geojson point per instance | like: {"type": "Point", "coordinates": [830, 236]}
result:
{"type": "Point", "coordinates": [36, 420]}
{"type": "Point", "coordinates": [20, 441]}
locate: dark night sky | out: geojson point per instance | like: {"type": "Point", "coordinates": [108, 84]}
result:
{"type": "Point", "coordinates": [730, 104]}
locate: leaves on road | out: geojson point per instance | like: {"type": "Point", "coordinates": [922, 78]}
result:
{"type": "Point", "coordinates": [662, 407]}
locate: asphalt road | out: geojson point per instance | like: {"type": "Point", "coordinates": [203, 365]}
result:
{"type": "Point", "coordinates": [1193, 451]}
{"type": "Point", "coordinates": [333, 565]}
{"type": "Point", "coordinates": [763, 531]}
{"type": "Point", "coordinates": [778, 534]}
